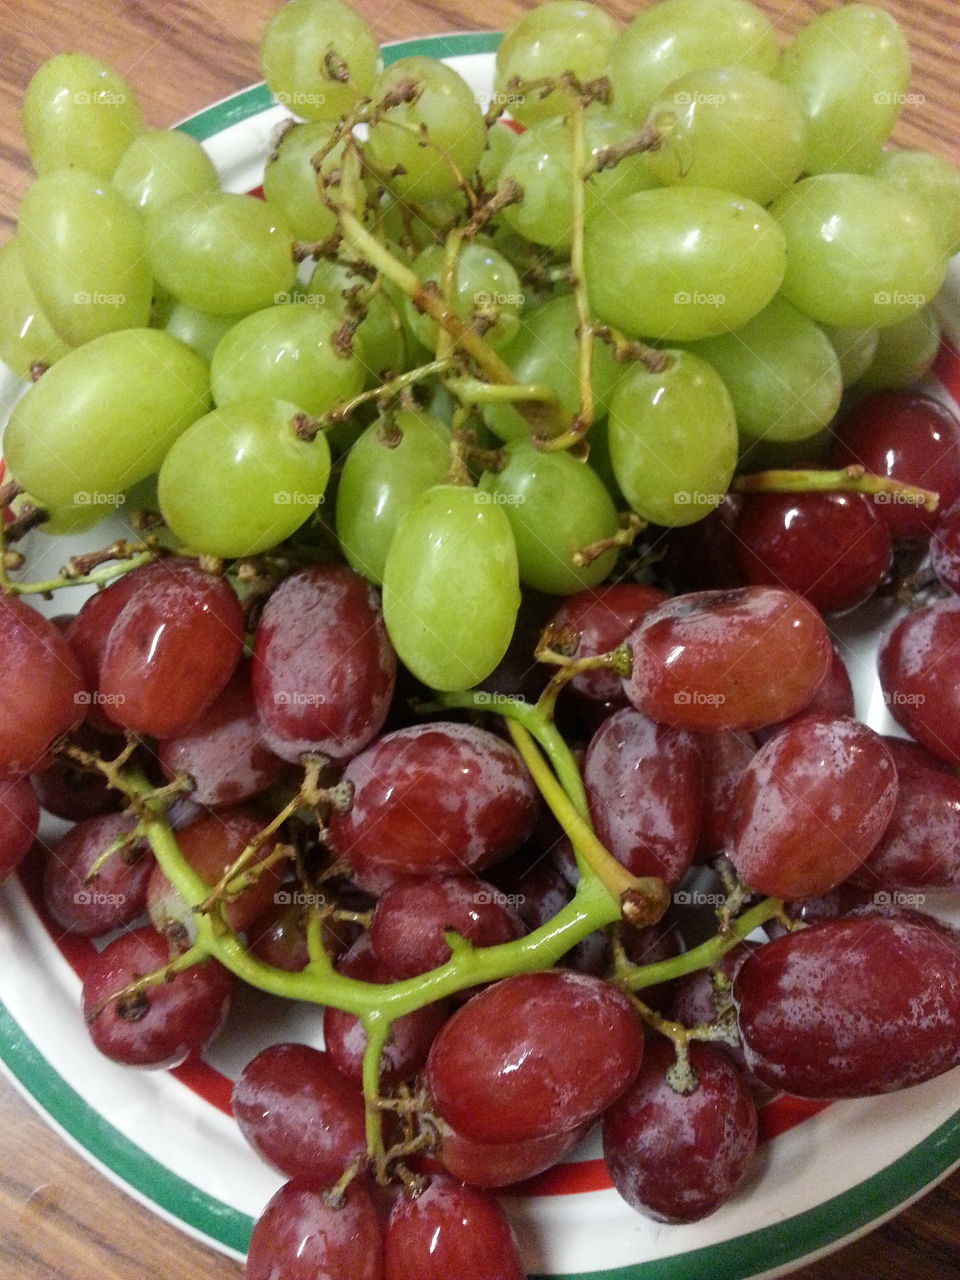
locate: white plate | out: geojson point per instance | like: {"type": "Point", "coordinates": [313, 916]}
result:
{"type": "Point", "coordinates": [828, 1175]}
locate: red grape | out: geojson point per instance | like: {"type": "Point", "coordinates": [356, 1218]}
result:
{"type": "Point", "coordinates": [600, 620]}
{"type": "Point", "coordinates": [725, 755]}
{"type": "Point", "coordinates": [921, 846]}
{"type": "Point", "coordinates": [945, 549]}
{"type": "Point", "coordinates": [115, 895]}
{"type": "Point", "coordinates": [304, 1235]}
{"type": "Point", "coordinates": [19, 819]}
{"type": "Point", "coordinates": [500, 1164]}
{"type": "Point", "coordinates": [919, 667]}
{"type": "Point", "coordinates": [449, 1232]}
{"type": "Point", "coordinates": [834, 698]}
{"type": "Point", "coordinates": [88, 632]}
{"type": "Point", "coordinates": [70, 790]}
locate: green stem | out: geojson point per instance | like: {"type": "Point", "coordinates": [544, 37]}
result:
{"type": "Point", "coordinates": [98, 577]}
{"type": "Point", "coordinates": [475, 391]}
{"type": "Point", "coordinates": [852, 479]}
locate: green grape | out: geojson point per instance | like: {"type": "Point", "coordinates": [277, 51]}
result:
{"type": "Point", "coordinates": [423, 148]}
{"type": "Point", "coordinates": [103, 417]}
{"type": "Point", "coordinates": [557, 507]}
{"type": "Point", "coordinates": [855, 349]}
{"type": "Point", "coordinates": [905, 352]}
{"type": "Point", "coordinates": [78, 114]}
{"type": "Point", "coordinates": [728, 127]}
{"type": "Point", "coordinates": [392, 462]}
{"type": "Point", "coordinates": [541, 163]}
{"type": "Point", "coordinates": [335, 286]}
{"type": "Point", "coordinates": [486, 293]}
{"type": "Point", "coordinates": [673, 439]}
{"type": "Point", "coordinates": [932, 181]}
{"type": "Point", "coordinates": [222, 253]}
{"type": "Point", "coordinates": [674, 37]}
{"type": "Point", "coordinates": [240, 480]}
{"type": "Point", "coordinates": [682, 263]}
{"type": "Point", "coordinates": [82, 248]}
{"type": "Point", "coordinates": [319, 58]}
{"type": "Point", "coordinates": [198, 329]}
{"type": "Point", "coordinates": [782, 372]}
{"type": "Point", "coordinates": [556, 36]}
{"type": "Point", "coordinates": [849, 69]}
{"type": "Point", "coordinates": [500, 141]}
{"type": "Point", "coordinates": [859, 252]}
{"type": "Point", "coordinates": [451, 587]}
{"type": "Point", "coordinates": [545, 353]}
{"type": "Point", "coordinates": [162, 166]}
{"type": "Point", "coordinates": [288, 352]}
{"type": "Point", "coordinates": [290, 180]}
{"type": "Point", "coordinates": [26, 335]}
{"type": "Point", "coordinates": [65, 521]}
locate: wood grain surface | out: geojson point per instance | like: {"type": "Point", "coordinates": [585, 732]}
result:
{"type": "Point", "coordinates": [58, 1219]}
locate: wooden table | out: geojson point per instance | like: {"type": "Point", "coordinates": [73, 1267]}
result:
{"type": "Point", "coordinates": [57, 1218]}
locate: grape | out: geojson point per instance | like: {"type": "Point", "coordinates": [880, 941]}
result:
{"type": "Point", "coordinates": [909, 437]}
{"type": "Point", "coordinates": [88, 633]}
{"type": "Point", "coordinates": [598, 621]}
{"type": "Point", "coordinates": [434, 799]}
{"type": "Point", "coordinates": [920, 847]}
{"type": "Point", "coordinates": [849, 70]}
{"type": "Point", "coordinates": [725, 754]}
{"type": "Point", "coordinates": [104, 416]}
{"type": "Point", "coordinates": [393, 461]}
{"type": "Point", "coordinates": [446, 1232]}
{"type": "Point", "coordinates": [323, 670]}
{"type": "Point", "coordinates": [279, 935]}
{"type": "Point", "coordinates": [535, 1054]}
{"type": "Point", "coordinates": [500, 1164]}
{"type": "Point", "coordinates": [78, 114]}
{"type": "Point", "coordinates": [920, 679]}
{"type": "Point", "coordinates": [171, 650]}
{"type": "Point", "coordinates": [852, 1007]}
{"type": "Point", "coordinates": [859, 252]}
{"type": "Point", "coordinates": [221, 252]}
{"type": "Point", "coordinates": [298, 1112]}
{"type": "Point", "coordinates": [162, 166]}
{"type": "Point", "coordinates": [673, 439]}
{"type": "Point", "coordinates": [541, 164]}
{"type": "Point", "coordinates": [82, 249]}
{"type": "Point", "coordinates": [831, 548]}
{"type": "Point", "coordinates": [556, 508]}
{"type": "Point", "coordinates": [689, 262]}
{"type": "Point", "coordinates": [424, 147]}
{"type": "Point", "coordinates": [728, 127]}
{"type": "Point", "coordinates": [834, 698]}
{"type": "Point", "coordinates": [451, 589]}
{"type": "Point", "coordinates": [935, 182]}
{"type": "Point", "coordinates": [74, 791]}
{"type": "Point", "coordinates": [811, 805]}
{"type": "Point", "coordinates": [291, 183]}
{"type": "Point", "coordinates": [223, 753]}
{"type": "Point", "coordinates": [675, 37]}
{"type": "Point", "coordinates": [163, 1024]}
{"type": "Point", "coordinates": [302, 1234]}
{"type": "Point", "coordinates": [240, 479]}
{"type": "Point", "coordinates": [319, 57]}
{"type": "Point", "coordinates": [198, 329]}
{"type": "Point", "coordinates": [26, 335]}
{"type": "Point", "coordinates": [736, 659]}
{"type": "Point", "coordinates": [114, 895]}
{"type": "Point", "coordinates": [782, 372]}
{"type": "Point", "coordinates": [703, 556]}
{"type": "Point", "coordinates": [905, 351]}
{"type": "Point", "coordinates": [41, 687]}
{"type": "Point", "coordinates": [945, 549]}
{"type": "Point", "coordinates": [544, 352]}
{"type": "Point", "coordinates": [855, 349]}
{"type": "Point", "coordinates": [485, 293]}
{"type": "Point", "coordinates": [21, 818]}
{"type": "Point", "coordinates": [678, 1156]}
{"type": "Point", "coordinates": [409, 922]}
{"type": "Point", "coordinates": [333, 285]}
{"type": "Point", "coordinates": [556, 37]}
{"type": "Point", "coordinates": [645, 788]}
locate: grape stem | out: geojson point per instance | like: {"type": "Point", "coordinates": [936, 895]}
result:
{"type": "Point", "coordinates": [852, 479]}
{"type": "Point", "coordinates": [307, 428]}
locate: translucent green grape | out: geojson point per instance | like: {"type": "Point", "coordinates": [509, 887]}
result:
{"type": "Point", "coordinates": [557, 507]}
{"type": "Point", "coordinates": [104, 416]}
{"type": "Point", "coordinates": [290, 180]}
{"type": "Point", "coordinates": [500, 141]}
{"type": "Point", "coordinates": [161, 166]}
{"type": "Point", "coordinates": [198, 329]}
{"type": "Point", "coordinates": [82, 248]}
{"type": "Point", "coordinates": [240, 480]}
{"type": "Point", "coordinates": [319, 57]}
{"type": "Point", "coordinates": [682, 262]}
{"type": "Point", "coordinates": [288, 352]}
{"type": "Point", "coordinates": [931, 180]}
{"type": "Point", "coordinates": [78, 114]}
{"type": "Point", "coordinates": [486, 293]}
{"type": "Point", "coordinates": [905, 351]}
{"type": "Point", "coordinates": [855, 349]}
{"type": "Point", "coordinates": [451, 589]}
{"type": "Point", "coordinates": [849, 70]}
{"type": "Point", "coordinates": [335, 286]}
{"type": "Point", "coordinates": [673, 440]}
{"type": "Point", "coordinates": [223, 253]}
{"type": "Point", "coordinates": [26, 335]}
{"type": "Point", "coordinates": [392, 462]}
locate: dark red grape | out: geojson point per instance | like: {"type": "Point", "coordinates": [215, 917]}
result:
{"type": "Point", "coordinates": [677, 1157]}
{"type": "Point", "coordinates": [88, 633]}
{"type": "Point", "coordinates": [919, 667]}
{"type": "Point", "coordinates": [644, 785]}
{"type": "Point", "coordinates": [703, 556]}
{"type": "Point", "coordinates": [323, 667]}
{"type": "Point", "coordinates": [811, 805]}
{"type": "Point", "coordinates": [304, 1235]}
{"type": "Point", "coordinates": [500, 1164]}
{"type": "Point", "coordinates": [115, 895]}
{"type": "Point", "coordinates": [728, 659]}
{"type": "Point", "coordinates": [70, 790]}
{"type": "Point", "coordinates": [162, 1025]}
{"type": "Point", "coordinates": [535, 1054]}
{"type": "Point", "coordinates": [945, 549]}
{"type": "Point", "coordinates": [449, 1232]}
{"type": "Point", "coordinates": [599, 621]}
{"type": "Point", "coordinates": [279, 934]}
{"type": "Point", "coordinates": [852, 1007]}
{"type": "Point", "coordinates": [834, 698]}
{"type": "Point", "coordinates": [434, 799]}
{"type": "Point", "coordinates": [299, 1113]}
{"type": "Point", "coordinates": [725, 755]}
{"type": "Point", "coordinates": [18, 826]}
{"type": "Point", "coordinates": [41, 687]}
{"type": "Point", "coordinates": [920, 847]}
